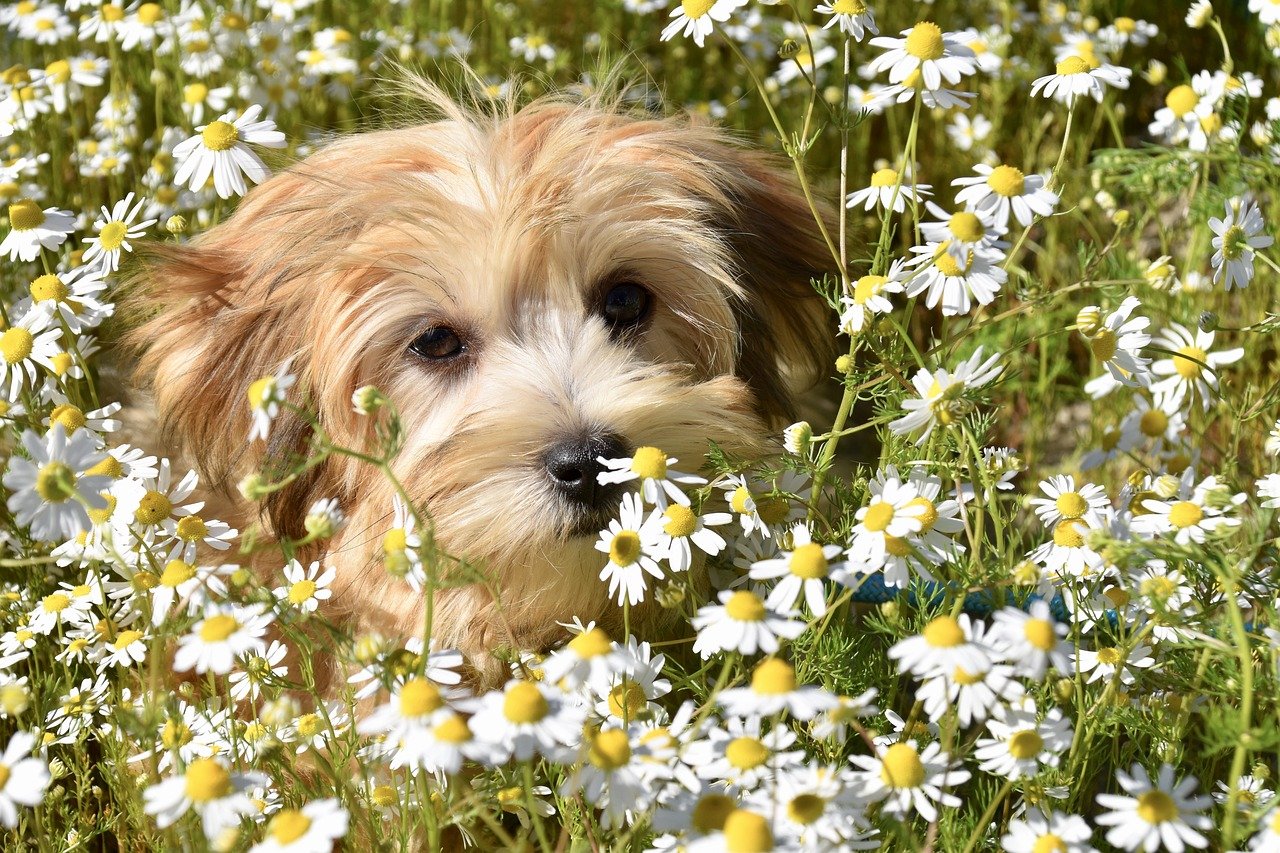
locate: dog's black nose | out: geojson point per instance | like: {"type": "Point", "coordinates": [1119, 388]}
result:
{"type": "Point", "coordinates": [573, 467]}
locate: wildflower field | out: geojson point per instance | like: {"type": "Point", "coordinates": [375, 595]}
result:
{"type": "Point", "coordinates": [1013, 585]}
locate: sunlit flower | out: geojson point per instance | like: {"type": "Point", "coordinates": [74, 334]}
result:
{"type": "Point", "coordinates": [221, 150]}
{"type": "Point", "coordinates": [1157, 814]}
{"type": "Point", "coordinates": [33, 229]}
{"type": "Point", "coordinates": [1237, 236]}
{"type": "Point", "coordinates": [114, 230]}
{"type": "Point", "coordinates": [698, 18]}
{"type": "Point", "coordinates": [908, 779]}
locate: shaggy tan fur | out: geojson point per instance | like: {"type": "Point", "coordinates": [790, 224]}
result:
{"type": "Point", "coordinates": [505, 227]}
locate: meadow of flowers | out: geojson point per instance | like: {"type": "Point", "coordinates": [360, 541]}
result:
{"type": "Point", "coordinates": [1016, 590]}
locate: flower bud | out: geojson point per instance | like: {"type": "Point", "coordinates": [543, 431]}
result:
{"type": "Point", "coordinates": [367, 399]}
{"type": "Point", "coordinates": [176, 224]}
{"type": "Point", "coordinates": [1089, 321]}
{"type": "Point", "coordinates": [1208, 321]}
{"type": "Point", "coordinates": [789, 49]}
{"type": "Point", "coordinates": [797, 438]}
{"type": "Point", "coordinates": [844, 364]}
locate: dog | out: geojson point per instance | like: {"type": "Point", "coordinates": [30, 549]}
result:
{"type": "Point", "coordinates": [533, 288]}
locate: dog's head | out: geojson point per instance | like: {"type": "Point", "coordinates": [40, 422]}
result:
{"type": "Point", "coordinates": [531, 290]}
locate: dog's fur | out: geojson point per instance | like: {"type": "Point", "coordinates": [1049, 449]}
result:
{"type": "Point", "coordinates": [504, 225]}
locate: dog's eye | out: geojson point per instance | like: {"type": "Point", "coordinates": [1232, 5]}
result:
{"type": "Point", "coordinates": [625, 306]}
{"type": "Point", "coordinates": [439, 343]}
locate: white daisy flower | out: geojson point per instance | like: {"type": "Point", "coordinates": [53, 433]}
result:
{"type": "Point", "coordinates": [1117, 341]}
{"type": "Point", "coordinates": [634, 547]}
{"type": "Point", "coordinates": [1103, 664]}
{"type": "Point", "coordinates": [28, 343]}
{"type": "Point", "coordinates": [1192, 369]}
{"type": "Point", "coordinates": [23, 778]}
{"type": "Point", "coordinates": [966, 132]}
{"type": "Point", "coordinates": [33, 229]}
{"type": "Point", "coordinates": [312, 829]}
{"type": "Point", "coordinates": [115, 228]}
{"type": "Point", "coordinates": [907, 779]}
{"type": "Point", "coordinates": [1153, 424]}
{"type": "Point", "coordinates": [658, 480]}
{"type": "Point", "coordinates": [741, 755]}
{"type": "Point", "coordinates": [207, 786]}
{"type": "Point", "coordinates": [773, 689]}
{"type": "Point", "coordinates": [742, 623]}
{"type": "Point", "coordinates": [682, 528]}
{"type": "Point", "coordinates": [941, 394]}
{"type": "Point", "coordinates": [764, 507]}
{"type": "Point", "coordinates": [305, 588]}
{"type": "Point", "coordinates": [51, 490]}
{"type": "Point", "coordinates": [955, 282]}
{"type": "Point", "coordinates": [852, 16]}
{"type": "Point", "coordinates": [223, 635]}
{"type": "Point", "coordinates": [1157, 814]}
{"type": "Point", "coordinates": [964, 232]}
{"type": "Point", "coordinates": [698, 17]}
{"type": "Point", "coordinates": [889, 190]}
{"type": "Point", "coordinates": [1065, 501]}
{"type": "Point", "coordinates": [925, 48]}
{"type": "Point", "coordinates": [972, 694]}
{"type": "Point", "coordinates": [1237, 235]}
{"type": "Point", "coordinates": [591, 655]}
{"type": "Point", "coordinates": [945, 644]}
{"type": "Point", "coordinates": [802, 570]}
{"type": "Point", "coordinates": [1021, 743]}
{"type": "Point", "coordinates": [222, 150]}
{"type": "Point", "coordinates": [1075, 76]}
{"type": "Point", "coordinates": [1189, 514]}
{"type": "Point", "coordinates": [528, 718]}
{"type": "Point", "coordinates": [266, 395]}
{"type": "Point", "coordinates": [1032, 639]}
{"type": "Point", "coordinates": [1004, 191]}
{"type": "Point", "coordinates": [870, 297]}
{"type": "Point", "coordinates": [72, 297]}
{"type": "Point", "coordinates": [1036, 833]}
{"type": "Point", "coordinates": [892, 514]}
{"type": "Point", "coordinates": [256, 668]}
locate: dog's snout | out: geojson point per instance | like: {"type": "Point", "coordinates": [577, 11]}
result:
{"type": "Point", "coordinates": [573, 467]}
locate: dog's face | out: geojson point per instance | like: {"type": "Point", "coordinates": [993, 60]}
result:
{"type": "Point", "coordinates": [531, 292]}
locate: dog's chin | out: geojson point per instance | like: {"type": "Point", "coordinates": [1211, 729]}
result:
{"type": "Point", "coordinates": [589, 522]}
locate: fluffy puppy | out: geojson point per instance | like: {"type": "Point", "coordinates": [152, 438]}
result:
{"type": "Point", "coordinates": [533, 288]}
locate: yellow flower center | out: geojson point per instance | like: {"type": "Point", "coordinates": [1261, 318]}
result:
{"type": "Point", "coordinates": [1125, 25]}
{"type": "Point", "coordinates": [150, 13]}
{"type": "Point", "coordinates": [69, 416]}
{"type": "Point", "coordinates": [1049, 844]}
{"type": "Point", "coordinates": [1181, 100]}
{"type": "Point", "coordinates": [739, 501]}
{"type": "Point", "coordinates": [59, 71]}
{"type": "Point", "coordinates": [1157, 807]}
{"type": "Point", "coordinates": [806, 808]}
{"type": "Point", "coordinates": [867, 287]}
{"type": "Point", "coordinates": [1104, 344]}
{"type": "Point", "coordinates": [849, 7]}
{"type": "Point", "coordinates": [310, 725]}
{"type": "Point", "coordinates": [219, 135]}
{"type": "Point", "coordinates": [626, 700]}
{"type": "Point", "coordinates": [694, 9]}
{"type": "Point", "coordinates": [946, 264]}
{"type": "Point", "coordinates": [680, 521]}
{"type": "Point", "coordinates": [126, 639]}
{"type": "Point", "coordinates": [49, 286]}
{"type": "Point", "coordinates": [1072, 65]}
{"type": "Point", "coordinates": [1185, 514]}
{"type": "Point", "coordinates": [1211, 124]}
{"type": "Point", "coordinates": [808, 562]}
{"type": "Point", "coordinates": [590, 644]}
{"type": "Point", "coordinates": [773, 677]}
{"type": "Point", "coordinates": [878, 517]}
{"type": "Point", "coordinates": [897, 546]}
{"type": "Point", "coordinates": [747, 832]}
{"type": "Point", "coordinates": [110, 467]}
{"type": "Point", "coordinates": [112, 14]}
{"type": "Point", "coordinates": [302, 591]}
{"type": "Point", "coordinates": [192, 528]}
{"type": "Point", "coordinates": [1069, 533]}
{"type": "Point", "coordinates": [944, 633]}
{"type": "Point", "coordinates": [928, 516]}
{"type": "Point", "coordinates": [610, 750]}
{"type": "Point", "coordinates": [967, 678]}
{"type": "Point", "coordinates": [261, 392]}
{"type": "Point", "coordinates": [885, 178]}
{"type": "Point", "coordinates": [153, 508]}
{"type": "Point", "coordinates": [453, 729]}
{"type": "Point", "coordinates": [649, 463]}
{"type": "Point", "coordinates": [1071, 504]}
{"type": "Point", "coordinates": [289, 825]}
{"type": "Point", "coordinates": [55, 603]}
{"type": "Point", "coordinates": [394, 540]}
{"type": "Point", "coordinates": [524, 703]}
{"type": "Point", "coordinates": [1159, 588]}
{"type": "Point", "coordinates": [1025, 744]}
{"type": "Point", "coordinates": [1185, 362]}
{"type": "Point", "coordinates": [217, 628]}
{"type": "Point", "coordinates": [1233, 243]}
{"type": "Point", "coordinates": [25, 214]}
{"type": "Point", "coordinates": [175, 734]}
{"type": "Point", "coordinates": [112, 235]}
{"type": "Point", "coordinates": [901, 767]}
{"type": "Point", "coordinates": [61, 363]}
{"type": "Point", "coordinates": [143, 580]}
{"type": "Point", "coordinates": [1007, 181]}
{"type": "Point", "coordinates": [419, 697]}
{"type": "Point", "coordinates": [16, 344]}
{"type": "Point", "coordinates": [55, 482]}
{"type": "Point", "coordinates": [1040, 634]}
{"type": "Point", "coordinates": [924, 42]}
{"type": "Point", "coordinates": [1109, 656]}
{"type": "Point", "coordinates": [710, 813]}
{"type": "Point", "coordinates": [746, 753]}
{"type": "Point", "coordinates": [745, 606]}
{"type": "Point", "coordinates": [207, 780]}
{"type": "Point", "coordinates": [773, 510]}
{"type": "Point", "coordinates": [1153, 423]}
{"type": "Point", "coordinates": [177, 572]}
{"type": "Point", "coordinates": [625, 548]}
{"type": "Point", "coordinates": [966, 226]}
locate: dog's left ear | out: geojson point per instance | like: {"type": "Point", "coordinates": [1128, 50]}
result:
{"type": "Point", "coordinates": [786, 329]}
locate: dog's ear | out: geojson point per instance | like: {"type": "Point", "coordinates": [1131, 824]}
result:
{"type": "Point", "coordinates": [207, 322]}
{"type": "Point", "coordinates": [787, 329]}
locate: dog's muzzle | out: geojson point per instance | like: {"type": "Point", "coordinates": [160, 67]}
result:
{"type": "Point", "coordinates": [572, 468]}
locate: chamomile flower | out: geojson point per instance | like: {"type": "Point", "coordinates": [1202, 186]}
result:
{"type": "Point", "coordinates": [972, 694]}
{"type": "Point", "coordinates": [588, 656]}
{"type": "Point", "coordinates": [682, 528]}
{"type": "Point", "coordinates": [870, 297]}
{"type": "Point", "coordinates": [1004, 191]}
{"type": "Point", "coordinates": [218, 795]}
{"type": "Point", "coordinates": [1103, 664]}
{"type": "Point", "coordinates": [697, 18]}
{"type": "Point", "coordinates": [633, 545]}
{"type": "Point", "coordinates": [659, 482]}
{"type": "Point", "coordinates": [1075, 75]}
{"type": "Point", "coordinates": [223, 635]}
{"type": "Point", "coordinates": [255, 669]}
{"type": "Point", "coordinates": [764, 507]}
{"type": "Point", "coordinates": [925, 48]}
{"type": "Point", "coordinates": [115, 228]}
{"type": "Point", "coordinates": [1117, 341]}
{"type": "Point", "coordinates": [802, 570]}
{"type": "Point", "coordinates": [312, 829]}
{"type": "Point", "coordinates": [51, 489]}
{"type": "Point", "coordinates": [1189, 514]}
{"type": "Point", "coordinates": [1268, 838]}
{"type": "Point", "coordinates": [612, 777]}
{"type": "Point", "coordinates": [945, 644]}
{"type": "Point", "coordinates": [27, 344]}
{"type": "Point", "coordinates": [740, 754]}
{"type": "Point", "coordinates": [1268, 489]}
{"type": "Point", "coordinates": [1066, 501]}
{"type": "Point", "coordinates": [71, 297]}
{"type": "Point", "coordinates": [528, 718]}
{"type": "Point", "coordinates": [1021, 743]}
{"type": "Point", "coordinates": [742, 622]}
{"type": "Point", "coordinates": [1157, 814]}
{"type": "Point", "coordinates": [23, 777]}
{"type": "Point", "coordinates": [33, 229]}
{"type": "Point", "coordinates": [1036, 833]}
{"type": "Point", "coordinates": [853, 17]}
{"type": "Point", "coordinates": [1237, 236]}
{"type": "Point", "coordinates": [266, 395]}
{"type": "Point", "coordinates": [1032, 639]}
{"type": "Point", "coordinates": [221, 150]}
{"type": "Point", "coordinates": [955, 282]}
{"type": "Point", "coordinates": [890, 190]}
{"type": "Point", "coordinates": [415, 723]}
{"type": "Point", "coordinates": [773, 689]}
{"type": "Point", "coordinates": [305, 588]}
{"type": "Point", "coordinates": [941, 399]}
{"type": "Point", "coordinates": [908, 779]}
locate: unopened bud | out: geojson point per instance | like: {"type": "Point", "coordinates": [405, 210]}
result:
{"type": "Point", "coordinates": [367, 399]}
{"type": "Point", "coordinates": [1208, 321]}
{"type": "Point", "coordinates": [1089, 321]}
{"type": "Point", "coordinates": [797, 438]}
{"type": "Point", "coordinates": [844, 364]}
{"type": "Point", "coordinates": [176, 224]}
{"type": "Point", "coordinates": [789, 49]}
